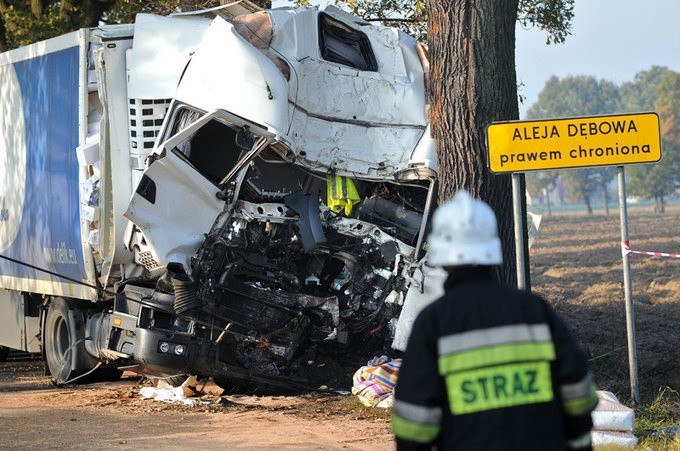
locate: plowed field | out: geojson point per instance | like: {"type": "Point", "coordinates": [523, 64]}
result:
{"type": "Point", "coordinates": [576, 264]}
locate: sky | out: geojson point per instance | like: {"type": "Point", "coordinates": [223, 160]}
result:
{"type": "Point", "coordinates": [611, 40]}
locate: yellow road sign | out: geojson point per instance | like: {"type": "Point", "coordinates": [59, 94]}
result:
{"type": "Point", "coordinates": [521, 146]}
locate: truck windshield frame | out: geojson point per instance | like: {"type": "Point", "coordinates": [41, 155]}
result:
{"type": "Point", "coordinates": [207, 142]}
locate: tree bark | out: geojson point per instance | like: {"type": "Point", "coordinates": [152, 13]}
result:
{"type": "Point", "coordinates": [3, 38]}
{"type": "Point", "coordinates": [36, 8]}
{"type": "Point", "coordinates": [473, 83]}
{"type": "Point", "coordinates": [589, 207]}
{"type": "Point", "coordinates": [659, 204]}
{"type": "Point", "coordinates": [605, 199]}
{"type": "Point", "coordinates": [95, 9]}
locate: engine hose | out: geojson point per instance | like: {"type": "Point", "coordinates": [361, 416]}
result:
{"type": "Point", "coordinates": [185, 294]}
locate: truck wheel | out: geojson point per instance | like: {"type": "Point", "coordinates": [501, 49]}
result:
{"type": "Point", "coordinates": [62, 346]}
{"type": "Point", "coordinates": [4, 352]}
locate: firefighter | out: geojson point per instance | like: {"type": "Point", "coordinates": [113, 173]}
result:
{"type": "Point", "coordinates": [487, 366]}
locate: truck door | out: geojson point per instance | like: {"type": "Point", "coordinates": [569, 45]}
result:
{"type": "Point", "coordinates": [183, 189]}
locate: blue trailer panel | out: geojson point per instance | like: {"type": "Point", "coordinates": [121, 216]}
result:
{"type": "Point", "coordinates": [41, 214]}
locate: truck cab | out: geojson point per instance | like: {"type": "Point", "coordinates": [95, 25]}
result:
{"type": "Point", "coordinates": [259, 185]}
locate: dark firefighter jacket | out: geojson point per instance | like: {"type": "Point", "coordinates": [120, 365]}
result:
{"type": "Point", "coordinates": [490, 367]}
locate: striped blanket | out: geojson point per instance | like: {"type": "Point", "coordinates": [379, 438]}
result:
{"type": "Point", "coordinates": [374, 384]}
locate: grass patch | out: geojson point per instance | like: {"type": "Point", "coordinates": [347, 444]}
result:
{"type": "Point", "coordinates": [653, 422]}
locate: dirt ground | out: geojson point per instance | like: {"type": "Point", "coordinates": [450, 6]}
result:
{"type": "Point", "coordinates": [575, 264]}
{"type": "Point", "coordinates": [36, 415]}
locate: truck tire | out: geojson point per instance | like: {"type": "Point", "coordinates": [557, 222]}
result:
{"type": "Point", "coordinates": [64, 341]}
{"type": "Point", "coordinates": [4, 352]}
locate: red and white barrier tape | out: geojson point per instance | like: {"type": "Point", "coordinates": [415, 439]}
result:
{"type": "Point", "coordinates": [625, 248]}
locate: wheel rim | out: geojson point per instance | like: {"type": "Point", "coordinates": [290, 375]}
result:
{"type": "Point", "coordinates": [61, 339]}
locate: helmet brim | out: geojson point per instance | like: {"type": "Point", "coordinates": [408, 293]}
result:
{"type": "Point", "coordinates": [446, 253]}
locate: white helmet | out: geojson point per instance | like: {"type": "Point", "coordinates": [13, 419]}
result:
{"type": "Point", "coordinates": [464, 232]}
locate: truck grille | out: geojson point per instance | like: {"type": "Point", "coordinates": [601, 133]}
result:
{"type": "Point", "coordinates": [146, 117]}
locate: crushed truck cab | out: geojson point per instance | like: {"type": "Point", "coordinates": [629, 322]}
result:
{"type": "Point", "coordinates": [244, 190]}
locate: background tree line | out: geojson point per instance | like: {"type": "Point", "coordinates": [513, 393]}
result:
{"type": "Point", "coordinates": [656, 89]}
{"type": "Point", "coordinates": [26, 21]}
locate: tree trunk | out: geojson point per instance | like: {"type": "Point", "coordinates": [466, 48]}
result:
{"type": "Point", "coordinates": [659, 204]}
{"type": "Point", "coordinates": [93, 10]}
{"type": "Point", "coordinates": [36, 8]}
{"type": "Point", "coordinates": [605, 200]}
{"type": "Point", "coordinates": [3, 39]}
{"type": "Point", "coordinates": [473, 83]}
{"type": "Point", "coordinates": [547, 201]}
{"type": "Point", "coordinates": [589, 207]}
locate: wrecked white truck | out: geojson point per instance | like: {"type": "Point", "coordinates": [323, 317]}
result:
{"type": "Point", "coordinates": [227, 193]}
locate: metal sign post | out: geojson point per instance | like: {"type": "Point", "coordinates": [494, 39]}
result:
{"type": "Point", "coordinates": [628, 292]}
{"type": "Point", "coordinates": [518, 216]}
